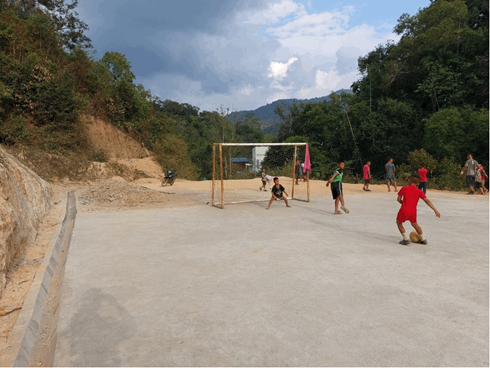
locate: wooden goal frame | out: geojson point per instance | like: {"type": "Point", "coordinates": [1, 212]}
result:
{"type": "Point", "coordinates": [220, 202]}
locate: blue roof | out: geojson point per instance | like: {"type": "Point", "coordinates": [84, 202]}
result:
{"type": "Point", "coordinates": [239, 160]}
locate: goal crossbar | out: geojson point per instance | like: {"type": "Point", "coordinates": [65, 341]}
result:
{"type": "Point", "coordinates": [259, 144]}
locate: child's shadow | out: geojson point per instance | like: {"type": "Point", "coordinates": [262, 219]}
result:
{"type": "Point", "coordinates": [100, 324]}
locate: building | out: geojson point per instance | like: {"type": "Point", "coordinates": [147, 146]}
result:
{"type": "Point", "coordinates": [258, 155]}
{"type": "Point", "coordinates": [239, 162]}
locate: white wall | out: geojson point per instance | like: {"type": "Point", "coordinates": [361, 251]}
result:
{"type": "Point", "coordinates": [258, 155]}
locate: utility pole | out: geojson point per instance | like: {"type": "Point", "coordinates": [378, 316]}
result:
{"type": "Point", "coordinates": [370, 96]}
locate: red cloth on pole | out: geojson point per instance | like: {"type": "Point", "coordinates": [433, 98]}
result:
{"type": "Point", "coordinates": [307, 159]}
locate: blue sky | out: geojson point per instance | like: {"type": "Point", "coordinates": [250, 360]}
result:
{"type": "Point", "coordinates": [242, 54]}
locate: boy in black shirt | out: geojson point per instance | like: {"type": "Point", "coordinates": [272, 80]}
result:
{"type": "Point", "coordinates": [277, 193]}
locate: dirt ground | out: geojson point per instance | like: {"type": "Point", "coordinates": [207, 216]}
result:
{"type": "Point", "coordinates": [117, 194]}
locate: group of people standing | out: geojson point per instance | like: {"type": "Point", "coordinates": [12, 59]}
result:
{"type": "Point", "coordinates": [475, 176]}
{"type": "Point", "coordinates": [390, 177]}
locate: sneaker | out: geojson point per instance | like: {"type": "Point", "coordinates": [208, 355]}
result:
{"type": "Point", "coordinates": [364, 189]}
{"type": "Point", "coordinates": [471, 193]}
{"type": "Point", "coordinates": [405, 242]}
{"type": "Point", "coordinates": [260, 188]}
{"type": "Point", "coordinates": [267, 208]}
{"type": "Point", "coordinates": [344, 209]}
{"type": "Point", "coordinates": [368, 190]}
{"type": "Point", "coordinates": [289, 206]}
{"type": "Point", "coordinates": [422, 241]}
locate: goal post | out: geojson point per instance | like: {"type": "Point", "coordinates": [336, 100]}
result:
{"type": "Point", "coordinates": [237, 172]}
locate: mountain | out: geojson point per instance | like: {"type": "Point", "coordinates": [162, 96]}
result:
{"type": "Point", "coordinates": [268, 118]}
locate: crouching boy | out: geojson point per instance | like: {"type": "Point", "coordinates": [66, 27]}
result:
{"type": "Point", "coordinates": [278, 192]}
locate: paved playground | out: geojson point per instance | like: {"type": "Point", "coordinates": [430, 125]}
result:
{"type": "Point", "coordinates": [200, 286]}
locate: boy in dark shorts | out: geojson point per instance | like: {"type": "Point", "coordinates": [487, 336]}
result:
{"type": "Point", "coordinates": [366, 174]}
{"type": "Point", "coordinates": [423, 178]}
{"type": "Point", "coordinates": [409, 197]}
{"type": "Point", "coordinates": [337, 193]}
{"type": "Point", "coordinates": [265, 179]}
{"type": "Point", "coordinates": [277, 193]}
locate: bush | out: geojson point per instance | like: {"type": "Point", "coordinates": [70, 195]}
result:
{"type": "Point", "coordinates": [447, 175]}
{"type": "Point", "coordinates": [171, 153]}
{"type": "Point", "coordinates": [14, 131]}
{"type": "Point", "coordinates": [415, 160]}
{"type": "Point", "coordinates": [98, 156]}
{"type": "Point", "coordinates": [48, 166]}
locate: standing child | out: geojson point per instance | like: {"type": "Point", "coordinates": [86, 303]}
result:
{"type": "Point", "coordinates": [264, 180]}
{"type": "Point", "coordinates": [366, 174]}
{"type": "Point", "coordinates": [297, 170]}
{"type": "Point", "coordinates": [484, 177]}
{"type": "Point", "coordinates": [479, 180]}
{"type": "Point", "coordinates": [337, 193]}
{"type": "Point", "coordinates": [409, 197]}
{"type": "Point", "coordinates": [423, 178]}
{"type": "Point", "coordinates": [278, 192]}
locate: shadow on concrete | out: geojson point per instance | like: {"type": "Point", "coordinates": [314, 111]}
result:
{"type": "Point", "coordinates": [99, 326]}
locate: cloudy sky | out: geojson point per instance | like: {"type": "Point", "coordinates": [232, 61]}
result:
{"type": "Point", "coordinates": [242, 54]}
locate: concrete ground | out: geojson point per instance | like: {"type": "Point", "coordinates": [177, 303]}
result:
{"type": "Point", "coordinates": [200, 286]}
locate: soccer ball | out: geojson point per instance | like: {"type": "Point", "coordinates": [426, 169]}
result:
{"type": "Point", "coordinates": [414, 237]}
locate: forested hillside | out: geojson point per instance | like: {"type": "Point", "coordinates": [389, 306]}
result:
{"type": "Point", "coordinates": [424, 98]}
{"type": "Point", "coordinates": [269, 119]}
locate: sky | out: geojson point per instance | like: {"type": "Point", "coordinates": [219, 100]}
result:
{"type": "Point", "coordinates": [242, 54]}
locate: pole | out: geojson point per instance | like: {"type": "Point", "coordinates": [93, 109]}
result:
{"type": "Point", "coordinates": [294, 167]}
{"type": "Point", "coordinates": [221, 169]}
{"type": "Point", "coordinates": [307, 185]}
{"type": "Point", "coordinates": [214, 171]}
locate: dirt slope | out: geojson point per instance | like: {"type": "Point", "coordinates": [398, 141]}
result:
{"type": "Point", "coordinates": [105, 137]}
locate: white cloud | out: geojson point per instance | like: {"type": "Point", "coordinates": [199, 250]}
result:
{"type": "Point", "coordinates": [312, 25]}
{"type": "Point", "coordinates": [247, 90]}
{"type": "Point", "coordinates": [326, 81]}
{"type": "Point", "coordinates": [275, 12]}
{"type": "Point", "coordinates": [278, 70]}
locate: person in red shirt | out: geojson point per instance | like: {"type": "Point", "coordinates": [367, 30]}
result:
{"type": "Point", "coordinates": [366, 174]}
{"type": "Point", "coordinates": [409, 197]}
{"type": "Point", "coordinates": [480, 178]}
{"type": "Point", "coordinates": [423, 178]}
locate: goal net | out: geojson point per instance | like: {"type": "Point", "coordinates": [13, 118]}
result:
{"type": "Point", "coordinates": [237, 172]}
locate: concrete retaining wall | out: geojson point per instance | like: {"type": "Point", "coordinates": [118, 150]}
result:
{"type": "Point", "coordinates": [24, 201]}
{"type": "Point", "coordinates": [33, 339]}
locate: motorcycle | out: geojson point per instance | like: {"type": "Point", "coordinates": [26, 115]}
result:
{"type": "Point", "coordinates": [169, 178]}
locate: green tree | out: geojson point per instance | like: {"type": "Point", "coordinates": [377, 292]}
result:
{"type": "Point", "coordinates": [248, 130]}
{"type": "Point", "coordinates": [456, 132]}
